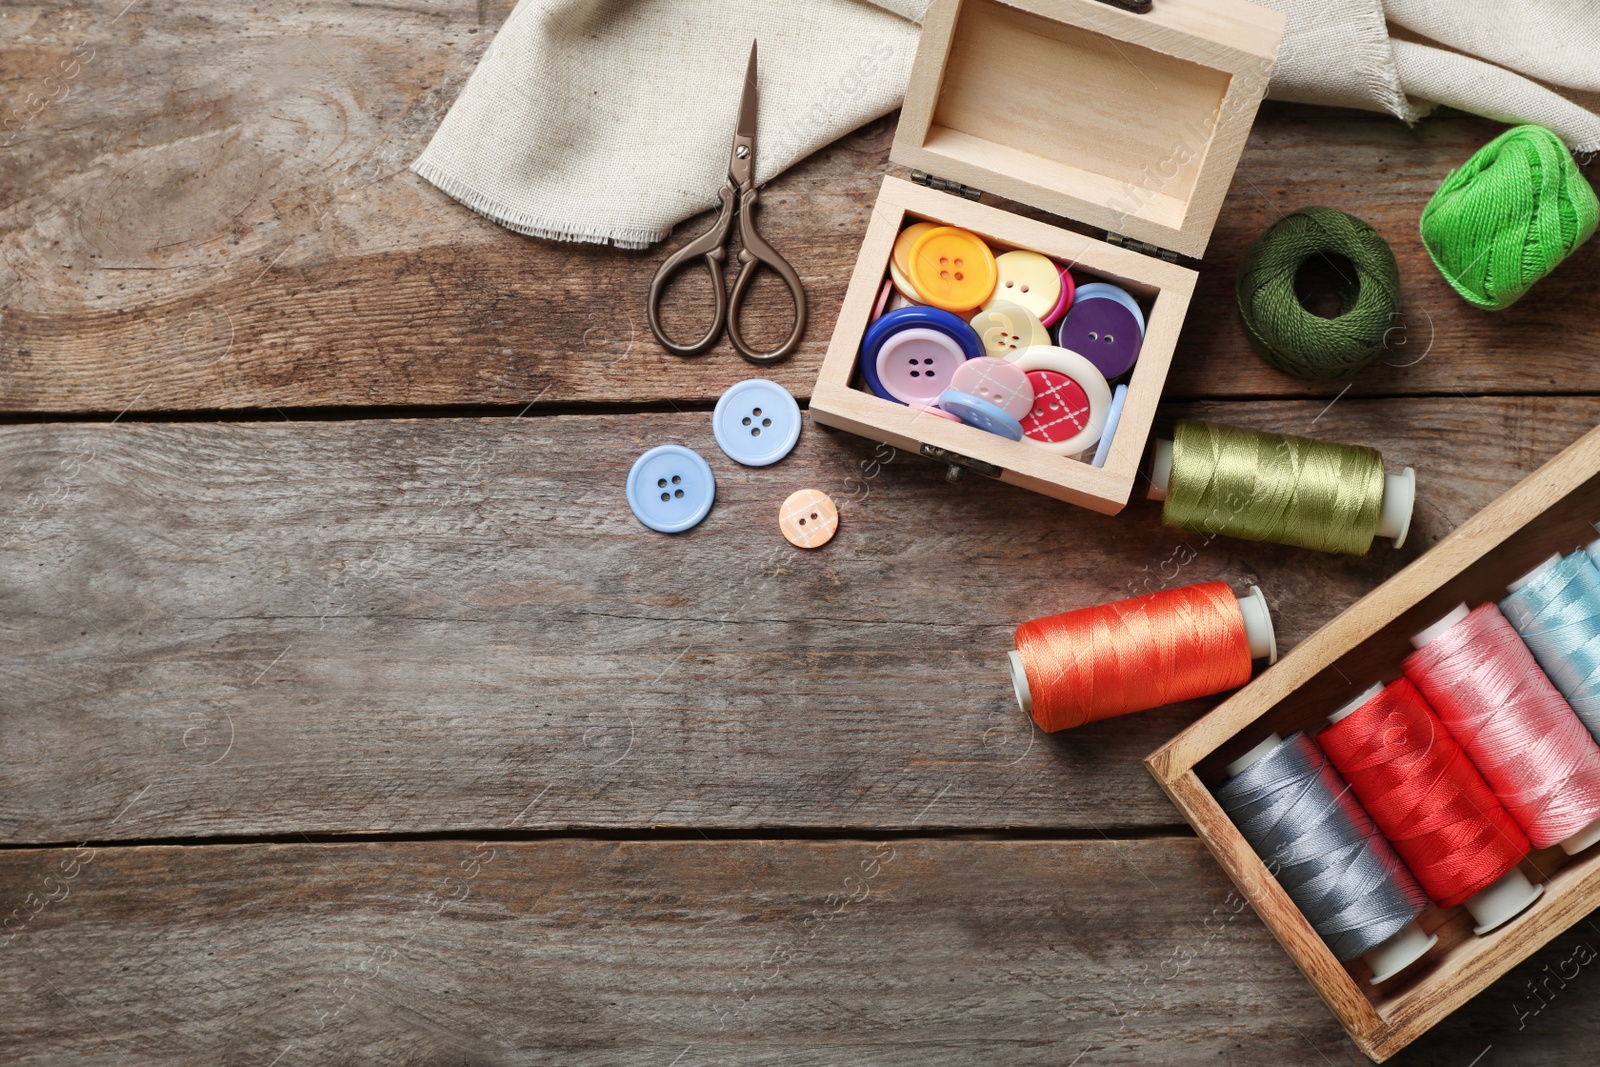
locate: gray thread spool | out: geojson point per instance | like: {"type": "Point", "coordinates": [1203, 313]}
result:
{"type": "Point", "coordinates": [1320, 844]}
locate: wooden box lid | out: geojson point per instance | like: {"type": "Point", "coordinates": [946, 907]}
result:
{"type": "Point", "coordinates": [1129, 122]}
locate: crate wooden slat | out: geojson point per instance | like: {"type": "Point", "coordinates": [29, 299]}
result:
{"type": "Point", "coordinates": [1551, 510]}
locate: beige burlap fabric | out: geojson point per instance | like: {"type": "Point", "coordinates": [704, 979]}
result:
{"type": "Point", "coordinates": [610, 120]}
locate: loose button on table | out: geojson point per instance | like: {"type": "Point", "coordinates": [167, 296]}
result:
{"type": "Point", "coordinates": [1029, 279]}
{"type": "Point", "coordinates": [670, 488]}
{"type": "Point", "coordinates": [952, 269]}
{"type": "Point", "coordinates": [918, 364]}
{"type": "Point", "coordinates": [756, 422]}
{"type": "Point", "coordinates": [998, 382]}
{"type": "Point", "coordinates": [808, 518]}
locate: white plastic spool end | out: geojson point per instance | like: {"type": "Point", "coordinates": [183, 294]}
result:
{"type": "Point", "coordinates": [1258, 627]}
{"type": "Point", "coordinates": [1240, 765]}
{"type": "Point", "coordinates": [1350, 708]}
{"type": "Point", "coordinates": [1582, 839]}
{"type": "Point", "coordinates": [1502, 901]}
{"type": "Point", "coordinates": [1531, 575]}
{"type": "Point", "coordinates": [1399, 497]}
{"type": "Point", "coordinates": [1399, 952]}
{"type": "Point", "coordinates": [1019, 683]}
{"type": "Point", "coordinates": [1160, 470]}
{"type": "Point", "coordinates": [1425, 637]}
{"type": "Point", "coordinates": [1592, 550]}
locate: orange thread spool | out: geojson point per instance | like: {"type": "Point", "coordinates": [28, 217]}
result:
{"type": "Point", "coordinates": [1134, 654]}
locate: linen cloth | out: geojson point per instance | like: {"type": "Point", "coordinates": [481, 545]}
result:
{"type": "Point", "coordinates": [610, 120]}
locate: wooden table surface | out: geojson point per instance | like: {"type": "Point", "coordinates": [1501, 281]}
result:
{"type": "Point", "coordinates": [350, 717]}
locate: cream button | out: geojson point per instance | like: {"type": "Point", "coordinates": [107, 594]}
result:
{"type": "Point", "coordinates": [1006, 329]}
{"type": "Point", "coordinates": [1029, 279]}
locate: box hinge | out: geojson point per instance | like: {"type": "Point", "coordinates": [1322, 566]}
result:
{"type": "Point", "coordinates": [944, 186]}
{"type": "Point", "coordinates": [957, 462]}
{"type": "Point", "coordinates": [1133, 244]}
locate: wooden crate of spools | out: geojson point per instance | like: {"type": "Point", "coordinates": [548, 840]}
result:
{"type": "Point", "coordinates": [1551, 511]}
{"type": "Point", "coordinates": [1129, 123]}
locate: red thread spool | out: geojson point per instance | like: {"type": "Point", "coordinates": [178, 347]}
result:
{"type": "Point", "coordinates": [1140, 653]}
{"type": "Point", "coordinates": [1428, 799]}
{"type": "Point", "coordinates": [1529, 745]}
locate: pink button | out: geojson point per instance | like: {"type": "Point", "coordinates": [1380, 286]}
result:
{"type": "Point", "coordinates": [1068, 293]}
{"type": "Point", "coordinates": [932, 409]}
{"type": "Point", "coordinates": [1060, 407]}
{"type": "Point", "coordinates": [996, 380]}
{"type": "Point", "coordinates": [883, 301]}
{"type": "Point", "coordinates": [917, 365]}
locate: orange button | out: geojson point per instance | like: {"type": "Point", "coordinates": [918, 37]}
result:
{"type": "Point", "coordinates": [808, 519]}
{"type": "Point", "coordinates": [903, 243]}
{"type": "Point", "coordinates": [952, 269]}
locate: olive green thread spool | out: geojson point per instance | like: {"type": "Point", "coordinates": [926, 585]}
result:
{"type": "Point", "coordinates": [1508, 217]}
{"type": "Point", "coordinates": [1275, 487]}
{"type": "Point", "coordinates": [1299, 341]}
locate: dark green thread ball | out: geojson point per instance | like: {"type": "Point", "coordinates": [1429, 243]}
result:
{"type": "Point", "coordinates": [1301, 342]}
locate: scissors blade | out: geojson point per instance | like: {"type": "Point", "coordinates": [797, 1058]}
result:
{"type": "Point", "coordinates": [747, 108]}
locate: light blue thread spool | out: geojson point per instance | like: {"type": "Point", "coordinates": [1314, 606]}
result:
{"type": "Point", "coordinates": [1556, 609]}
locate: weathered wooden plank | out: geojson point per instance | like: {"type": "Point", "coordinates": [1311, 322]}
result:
{"type": "Point", "coordinates": [208, 207]}
{"type": "Point", "coordinates": [909, 951]}
{"type": "Point", "coordinates": [457, 624]}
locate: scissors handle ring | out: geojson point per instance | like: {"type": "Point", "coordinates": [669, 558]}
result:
{"type": "Point", "coordinates": [708, 246]}
{"type": "Point", "coordinates": [756, 253]}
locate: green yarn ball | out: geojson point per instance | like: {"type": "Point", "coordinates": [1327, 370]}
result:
{"type": "Point", "coordinates": [1506, 219]}
{"type": "Point", "coordinates": [1302, 342]}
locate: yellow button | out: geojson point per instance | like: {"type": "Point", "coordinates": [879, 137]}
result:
{"type": "Point", "coordinates": [952, 269]}
{"type": "Point", "coordinates": [903, 243]}
{"type": "Point", "coordinates": [1007, 329]}
{"type": "Point", "coordinates": [1028, 279]}
{"type": "Point", "coordinates": [808, 518]}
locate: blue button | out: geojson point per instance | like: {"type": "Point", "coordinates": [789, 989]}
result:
{"type": "Point", "coordinates": [756, 422]}
{"type": "Point", "coordinates": [1105, 290]}
{"type": "Point", "coordinates": [947, 323]}
{"type": "Point", "coordinates": [975, 411]}
{"type": "Point", "coordinates": [671, 488]}
{"type": "Point", "coordinates": [1103, 449]}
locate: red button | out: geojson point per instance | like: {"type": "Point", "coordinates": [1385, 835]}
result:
{"type": "Point", "coordinates": [1060, 407]}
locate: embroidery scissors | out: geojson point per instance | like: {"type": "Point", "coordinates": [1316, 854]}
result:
{"type": "Point", "coordinates": [739, 195]}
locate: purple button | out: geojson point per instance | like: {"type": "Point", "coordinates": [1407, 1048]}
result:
{"type": "Point", "coordinates": [1103, 332]}
{"type": "Point", "coordinates": [917, 365]}
{"type": "Point", "coordinates": [998, 381]}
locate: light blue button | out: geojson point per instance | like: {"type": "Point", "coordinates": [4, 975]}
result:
{"type": "Point", "coordinates": [671, 488]}
{"type": "Point", "coordinates": [1107, 291]}
{"type": "Point", "coordinates": [1114, 416]}
{"type": "Point", "coordinates": [975, 411]}
{"type": "Point", "coordinates": [756, 422]}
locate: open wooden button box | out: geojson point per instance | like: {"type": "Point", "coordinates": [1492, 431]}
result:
{"type": "Point", "coordinates": [1550, 511]}
{"type": "Point", "coordinates": [1130, 123]}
